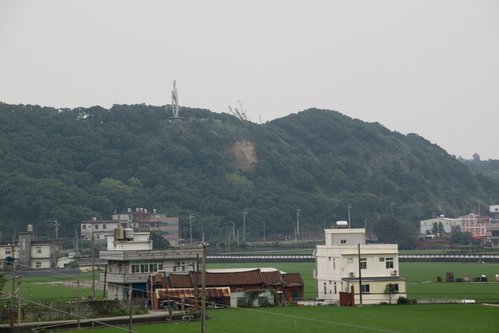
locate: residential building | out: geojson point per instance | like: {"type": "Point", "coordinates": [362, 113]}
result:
{"type": "Point", "coordinates": [449, 225]}
{"type": "Point", "coordinates": [345, 263]}
{"type": "Point", "coordinates": [494, 213]}
{"type": "Point", "coordinates": [30, 252]}
{"type": "Point", "coordinates": [492, 238]}
{"type": "Point", "coordinates": [99, 229]}
{"type": "Point", "coordinates": [476, 225]}
{"type": "Point", "coordinates": [229, 287]}
{"type": "Point", "coordinates": [140, 220]}
{"type": "Point", "coordinates": [130, 260]}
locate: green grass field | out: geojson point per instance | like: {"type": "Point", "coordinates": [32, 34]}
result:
{"type": "Point", "coordinates": [390, 318]}
{"type": "Point", "coordinates": [420, 277]}
{"type": "Point", "coordinates": [52, 286]}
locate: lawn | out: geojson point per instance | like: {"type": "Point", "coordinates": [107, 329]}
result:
{"type": "Point", "coordinates": [421, 279]}
{"type": "Point", "coordinates": [404, 318]}
{"type": "Point", "coordinates": [53, 286]}
{"type": "Point", "coordinates": [420, 276]}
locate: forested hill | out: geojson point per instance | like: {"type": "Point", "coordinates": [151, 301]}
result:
{"type": "Point", "coordinates": [73, 164]}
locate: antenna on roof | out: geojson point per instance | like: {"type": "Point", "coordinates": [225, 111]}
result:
{"type": "Point", "coordinates": [175, 106]}
{"type": "Point", "coordinates": [239, 113]}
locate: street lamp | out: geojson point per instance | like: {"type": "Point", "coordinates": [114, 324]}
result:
{"type": "Point", "coordinates": [233, 229]}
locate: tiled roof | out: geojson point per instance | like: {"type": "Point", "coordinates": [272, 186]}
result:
{"type": "Point", "coordinates": [253, 277]}
{"type": "Point", "coordinates": [179, 281]}
{"type": "Point", "coordinates": [233, 279]}
{"type": "Point", "coordinates": [292, 279]}
{"type": "Point", "coordinates": [272, 278]}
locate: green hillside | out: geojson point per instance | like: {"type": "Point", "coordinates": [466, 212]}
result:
{"type": "Point", "coordinates": [74, 164]}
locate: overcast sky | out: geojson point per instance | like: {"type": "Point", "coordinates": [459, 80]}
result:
{"type": "Point", "coordinates": [428, 67]}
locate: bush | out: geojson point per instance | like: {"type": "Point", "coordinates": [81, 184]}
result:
{"type": "Point", "coordinates": [405, 300]}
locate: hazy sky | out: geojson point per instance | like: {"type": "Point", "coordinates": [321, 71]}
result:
{"type": "Point", "coordinates": [428, 67]}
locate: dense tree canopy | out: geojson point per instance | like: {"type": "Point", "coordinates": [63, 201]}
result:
{"type": "Point", "coordinates": [73, 164]}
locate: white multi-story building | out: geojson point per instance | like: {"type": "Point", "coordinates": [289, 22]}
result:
{"type": "Point", "coordinates": [31, 253]}
{"type": "Point", "coordinates": [346, 261]}
{"type": "Point", "coordinates": [99, 229]}
{"type": "Point", "coordinates": [449, 224]}
{"type": "Point", "coordinates": [139, 219]}
{"type": "Point", "coordinates": [130, 260]}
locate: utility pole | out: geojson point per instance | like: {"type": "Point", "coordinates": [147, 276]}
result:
{"type": "Point", "coordinates": [264, 231]}
{"type": "Point", "coordinates": [349, 207]}
{"type": "Point", "coordinates": [190, 227]}
{"type": "Point", "coordinates": [13, 280]}
{"type": "Point", "coordinates": [56, 228]}
{"type": "Point", "coordinates": [93, 265]}
{"type": "Point", "coordinates": [298, 210]}
{"type": "Point", "coordinates": [244, 224]}
{"type": "Point", "coordinates": [78, 302]}
{"type": "Point", "coordinates": [360, 275]}
{"type": "Point", "coordinates": [391, 207]}
{"type": "Point", "coordinates": [203, 289]}
{"type": "Point", "coordinates": [233, 229]}
{"type": "Point", "coordinates": [130, 317]}
{"type": "Point", "coordinates": [76, 240]}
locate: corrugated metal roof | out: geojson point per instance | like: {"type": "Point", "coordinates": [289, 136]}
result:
{"type": "Point", "coordinates": [190, 292]}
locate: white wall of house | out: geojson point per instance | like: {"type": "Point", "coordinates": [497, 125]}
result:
{"type": "Point", "coordinates": [99, 229]}
{"type": "Point", "coordinates": [448, 224]}
{"type": "Point", "coordinates": [40, 251]}
{"type": "Point", "coordinates": [139, 242]}
{"type": "Point", "coordinates": [338, 260]}
{"type": "Point", "coordinates": [37, 263]}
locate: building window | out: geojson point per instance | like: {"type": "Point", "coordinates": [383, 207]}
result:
{"type": "Point", "coordinates": [103, 226]}
{"type": "Point", "coordinates": [363, 263]}
{"type": "Point", "coordinates": [38, 249]}
{"type": "Point", "coordinates": [96, 226]}
{"type": "Point", "coordinates": [335, 290]}
{"type": "Point", "coordinates": [38, 264]}
{"type": "Point", "coordinates": [381, 259]}
{"type": "Point", "coordinates": [365, 289]}
{"type": "Point", "coordinates": [7, 251]}
{"type": "Point", "coordinates": [146, 267]}
{"type": "Point", "coordinates": [325, 288]}
{"type": "Point", "coordinates": [84, 226]}
{"type": "Point", "coordinates": [343, 241]}
{"type": "Point", "coordinates": [389, 262]}
{"type": "Point", "coordinates": [350, 260]}
{"type": "Point", "coordinates": [334, 263]}
{"type": "Point", "coordinates": [396, 287]}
